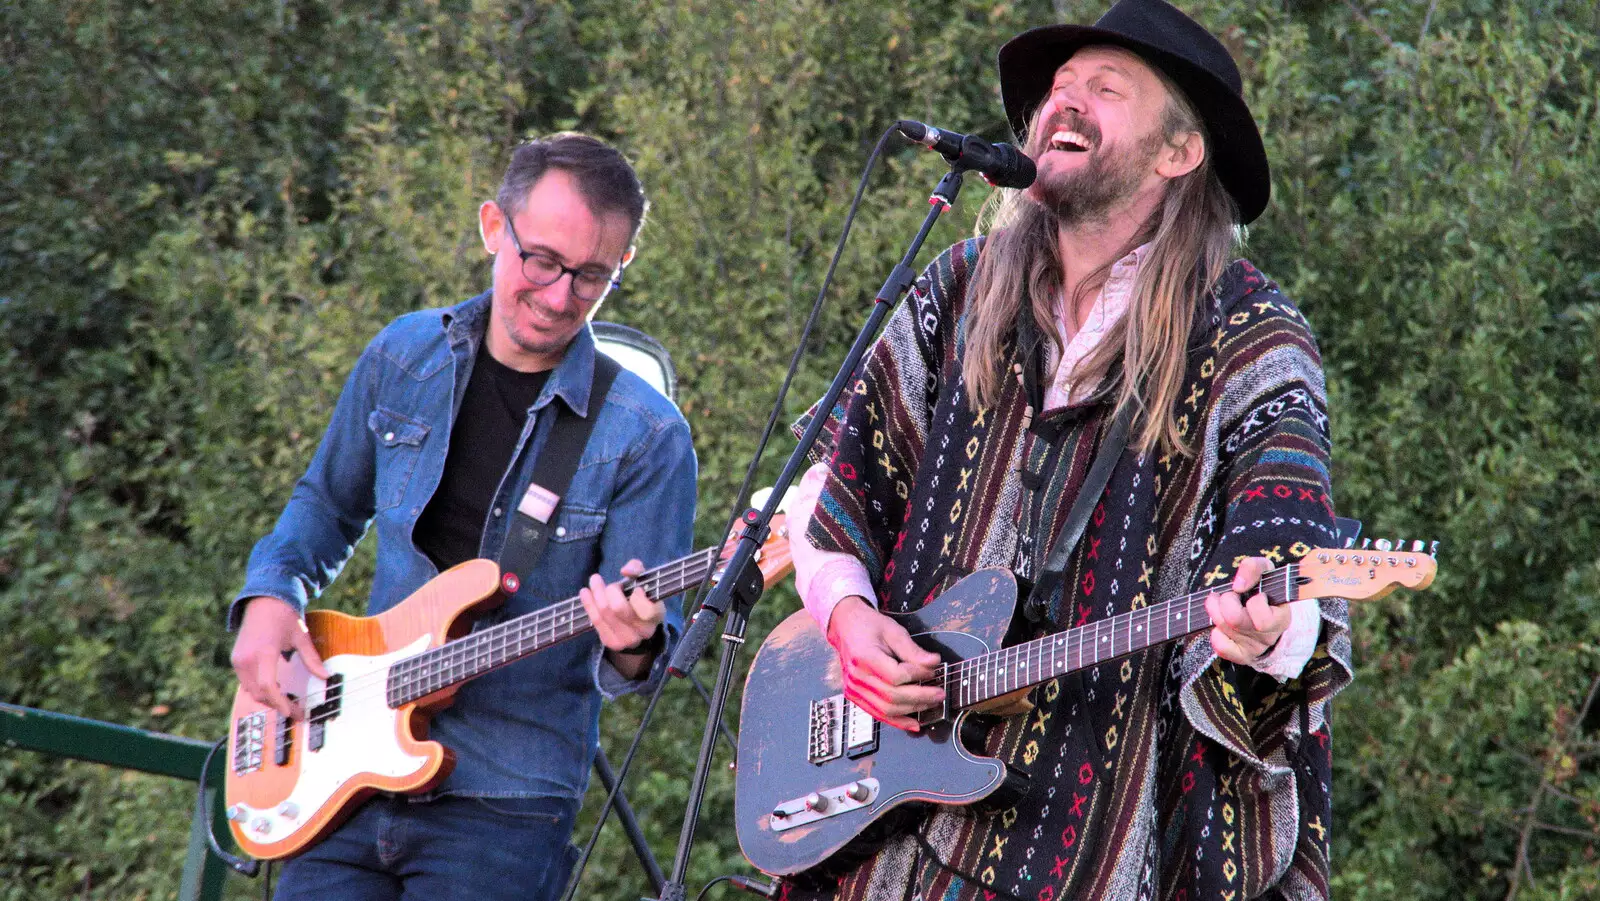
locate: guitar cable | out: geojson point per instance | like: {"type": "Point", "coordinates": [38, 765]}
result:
{"type": "Point", "coordinates": [753, 886]}
{"type": "Point", "coordinates": [741, 501]}
{"type": "Point", "coordinates": [244, 865]}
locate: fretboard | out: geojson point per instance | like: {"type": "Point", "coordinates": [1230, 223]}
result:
{"type": "Point", "coordinates": [988, 676]}
{"type": "Point", "coordinates": [495, 646]}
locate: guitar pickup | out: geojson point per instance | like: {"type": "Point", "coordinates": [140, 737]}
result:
{"type": "Point", "coordinates": [839, 728]}
{"type": "Point", "coordinates": [860, 732]}
{"type": "Point", "coordinates": [317, 717]}
{"type": "Point", "coordinates": [283, 739]}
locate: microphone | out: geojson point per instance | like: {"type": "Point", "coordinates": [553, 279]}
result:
{"type": "Point", "coordinates": [1001, 165]}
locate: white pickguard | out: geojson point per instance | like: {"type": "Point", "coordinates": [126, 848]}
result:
{"type": "Point", "coordinates": [361, 739]}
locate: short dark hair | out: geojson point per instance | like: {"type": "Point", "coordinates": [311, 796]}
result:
{"type": "Point", "coordinates": [605, 179]}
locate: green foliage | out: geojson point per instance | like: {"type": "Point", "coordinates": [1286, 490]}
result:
{"type": "Point", "coordinates": [208, 209]}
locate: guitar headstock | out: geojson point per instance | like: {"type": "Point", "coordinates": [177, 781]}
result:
{"type": "Point", "coordinates": [1370, 571]}
{"type": "Point", "coordinates": [773, 558]}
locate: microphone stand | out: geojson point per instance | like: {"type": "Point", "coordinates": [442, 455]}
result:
{"type": "Point", "coordinates": [742, 583]}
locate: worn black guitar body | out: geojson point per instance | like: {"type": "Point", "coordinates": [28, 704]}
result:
{"type": "Point", "coordinates": [797, 746]}
{"type": "Point", "coordinates": [817, 776]}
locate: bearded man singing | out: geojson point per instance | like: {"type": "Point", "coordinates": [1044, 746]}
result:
{"type": "Point", "coordinates": [1192, 769]}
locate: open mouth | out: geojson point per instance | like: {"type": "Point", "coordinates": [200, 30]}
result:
{"type": "Point", "coordinates": [1069, 141]}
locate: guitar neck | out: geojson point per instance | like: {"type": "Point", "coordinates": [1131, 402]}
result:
{"type": "Point", "coordinates": [988, 676]}
{"type": "Point", "coordinates": [473, 655]}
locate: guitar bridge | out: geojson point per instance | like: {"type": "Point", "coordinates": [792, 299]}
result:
{"type": "Point", "coordinates": [249, 742]}
{"type": "Point", "coordinates": [839, 728]}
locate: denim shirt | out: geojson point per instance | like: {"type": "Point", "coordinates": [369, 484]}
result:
{"type": "Point", "coordinates": [528, 729]}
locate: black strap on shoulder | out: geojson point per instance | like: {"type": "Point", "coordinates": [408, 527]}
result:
{"type": "Point", "coordinates": [1105, 460]}
{"type": "Point", "coordinates": [552, 474]}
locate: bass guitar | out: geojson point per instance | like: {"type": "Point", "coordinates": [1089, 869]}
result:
{"type": "Point", "coordinates": [817, 775]}
{"type": "Point", "coordinates": [290, 780]}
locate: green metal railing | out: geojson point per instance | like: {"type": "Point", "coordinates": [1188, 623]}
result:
{"type": "Point", "coordinates": [133, 749]}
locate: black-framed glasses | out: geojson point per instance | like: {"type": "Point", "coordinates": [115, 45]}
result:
{"type": "Point", "coordinates": [543, 270]}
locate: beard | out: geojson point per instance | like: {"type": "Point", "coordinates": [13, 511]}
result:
{"type": "Point", "coordinates": [1088, 194]}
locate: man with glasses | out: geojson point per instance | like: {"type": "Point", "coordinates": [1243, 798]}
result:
{"type": "Point", "coordinates": [434, 444]}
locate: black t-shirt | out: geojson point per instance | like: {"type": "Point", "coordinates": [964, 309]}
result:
{"type": "Point", "coordinates": [485, 433]}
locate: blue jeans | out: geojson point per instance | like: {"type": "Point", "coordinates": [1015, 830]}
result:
{"type": "Point", "coordinates": [393, 849]}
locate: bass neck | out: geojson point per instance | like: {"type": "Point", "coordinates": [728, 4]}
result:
{"type": "Point", "coordinates": [495, 646]}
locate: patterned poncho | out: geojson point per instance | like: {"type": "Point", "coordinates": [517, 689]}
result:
{"type": "Point", "coordinates": [1168, 773]}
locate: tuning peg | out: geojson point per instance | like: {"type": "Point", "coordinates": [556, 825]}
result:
{"type": "Point", "coordinates": [1383, 544]}
{"type": "Point", "coordinates": [1433, 550]}
{"type": "Point", "coordinates": [1417, 546]}
{"type": "Point", "coordinates": [1366, 543]}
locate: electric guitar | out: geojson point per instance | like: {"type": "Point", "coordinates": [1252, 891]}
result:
{"type": "Point", "coordinates": [290, 780]}
{"type": "Point", "coordinates": [815, 772]}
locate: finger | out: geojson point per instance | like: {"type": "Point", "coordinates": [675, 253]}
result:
{"type": "Point", "coordinates": [245, 669]}
{"type": "Point", "coordinates": [649, 613]}
{"type": "Point", "coordinates": [633, 568]}
{"type": "Point", "coordinates": [891, 697]}
{"type": "Point", "coordinates": [915, 658]}
{"type": "Point", "coordinates": [1265, 618]}
{"type": "Point", "coordinates": [1228, 649]}
{"type": "Point", "coordinates": [598, 617]}
{"type": "Point", "coordinates": [872, 673]}
{"type": "Point", "coordinates": [899, 721]}
{"type": "Point", "coordinates": [308, 653]}
{"type": "Point", "coordinates": [270, 693]}
{"type": "Point", "coordinates": [1249, 573]}
{"type": "Point", "coordinates": [1226, 611]}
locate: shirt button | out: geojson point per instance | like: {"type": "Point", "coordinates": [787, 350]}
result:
{"type": "Point", "coordinates": [388, 436]}
{"type": "Point", "coordinates": [497, 512]}
{"type": "Point", "coordinates": [560, 531]}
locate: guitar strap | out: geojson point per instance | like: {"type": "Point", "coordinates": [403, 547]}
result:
{"type": "Point", "coordinates": [552, 474]}
{"type": "Point", "coordinates": [1105, 460]}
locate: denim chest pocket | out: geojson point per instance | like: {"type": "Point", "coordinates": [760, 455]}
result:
{"type": "Point", "coordinates": [572, 553]}
{"type": "Point", "coordinates": [398, 440]}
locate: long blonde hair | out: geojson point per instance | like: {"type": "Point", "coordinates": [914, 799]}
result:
{"type": "Point", "coordinates": [1191, 236]}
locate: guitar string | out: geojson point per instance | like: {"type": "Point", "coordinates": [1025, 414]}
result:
{"type": "Point", "coordinates": [956, 678]}
{"type": "Point", "coordinates": [547, 625]}
{"type": "Point", "coordinates": [664, 581]}
{"type": "Point", "coordinates": [532, 625]}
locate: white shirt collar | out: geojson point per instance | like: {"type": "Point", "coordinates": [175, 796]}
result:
{"type": "Point", "coordinates": [1108, 309]}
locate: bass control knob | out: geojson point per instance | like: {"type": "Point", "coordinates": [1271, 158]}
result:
{"type": "Point", "coordinates": [817, 802]}
{"type": "Point", "coordinates": [858, 792]}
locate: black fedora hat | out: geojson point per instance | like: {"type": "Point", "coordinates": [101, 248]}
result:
{"type": "Point", "coordinates": [1181, 49]}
